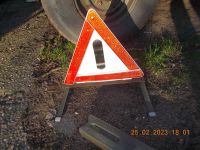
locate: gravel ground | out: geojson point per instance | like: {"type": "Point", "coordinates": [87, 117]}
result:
{"type": "Point", "coordinates": [20, 36]}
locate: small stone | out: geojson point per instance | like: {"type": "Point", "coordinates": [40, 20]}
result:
{"type": "Point", "coordinates": [49, 124]}
{"type": "Point", "coordinates": [11, 147]}
{"type": "Point", "coordinates": [35, 116]}
{"type": "Point", "coordinates": [53, 111]}
{"type": "Point", "coordinates": [49, 116]}
{"type": "Point", "coordinates": [76, 113]}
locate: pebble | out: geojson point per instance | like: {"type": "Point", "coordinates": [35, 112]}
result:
{"type": "Point", "coordinates": [49, 116]}
{"type": "Point", "coordinates": [49, 124]}
{"type": "Point", "coordinates": [53, 111]}
{"type": "Point", "coordinates": [11, 147]}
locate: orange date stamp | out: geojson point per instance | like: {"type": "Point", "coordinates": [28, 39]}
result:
{"type": "Point", "coordinates": [160, 132]}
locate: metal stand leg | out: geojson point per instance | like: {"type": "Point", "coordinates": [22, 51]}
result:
{"type": "Point", "coordinates": [151, 113]}
{"type": "Point", "coordinates": [62, 106]}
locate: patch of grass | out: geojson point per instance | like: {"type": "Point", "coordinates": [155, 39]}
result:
{"type": "Point", "coordinates": [70, 46]}
{"type": "Point", "coordinates": [58, 50]}
{"type": "Point", "coordinates": [165, 66]}
{"type": "Point", "coordinates": [162, 55]}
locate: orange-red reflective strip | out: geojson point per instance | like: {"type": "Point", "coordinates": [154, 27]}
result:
{"type": "Point", "coordinates": [94, 22]}
{"type": "Point", "coordinates": [98, 24]}
{"type": "Point", "coordinates": [113, 76]}
{"type": "Point", "coordinates": [79, 53]}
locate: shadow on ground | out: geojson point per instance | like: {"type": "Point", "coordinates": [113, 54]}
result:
{"type": "Point", "coordinates": [190, 39]}
{"type": "Point", "coordinates": [15, 13]}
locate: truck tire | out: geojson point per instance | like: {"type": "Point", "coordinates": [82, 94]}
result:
{"type": "Point", "coordinates": [123, 17]}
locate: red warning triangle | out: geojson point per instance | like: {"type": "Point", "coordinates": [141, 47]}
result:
{"type": "Point", "coordinates": [99, 56]}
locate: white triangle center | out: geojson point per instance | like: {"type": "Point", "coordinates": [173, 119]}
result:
{"type": "Point", "coordinates": [113, 64]}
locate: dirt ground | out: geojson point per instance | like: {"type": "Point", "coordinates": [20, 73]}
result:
{"type": "Point", "coordinates": [31, 89]}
